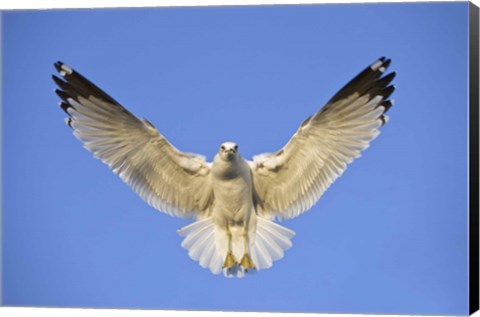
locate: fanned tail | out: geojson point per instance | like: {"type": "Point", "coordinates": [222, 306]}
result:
{"type": "Point", "coordinates": [200, 243]}
{"type": "Point", "coordinates": [269, 243]}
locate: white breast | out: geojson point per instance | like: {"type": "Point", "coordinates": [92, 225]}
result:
{"type": "Point", "coordinates": [232, 186]}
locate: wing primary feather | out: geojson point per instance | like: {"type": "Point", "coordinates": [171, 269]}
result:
{"type": "Point", "coordinates": [65, 107]}
{"type": "Point", "coordinates": [62, 84]}
{"type": "Point", "coordinates": [82, 83]}
{"type": "Point", "coordinates": [386, 63]}
{"type": "Point", "coordinates": [387, 79]}
{"type": "Point", "coordinates": [62, 94]}
{"type": "Point", "coordinates": [68, 121]}
{"type": "Point", "coordinates": [387, 91]}
{"type": "Point", "coordinates": [387, 104]}
{"type": "Point", "coordinates": [361, 80]}
{"type": "Point", "coordinates": [318, 153]}
{"type": "Point", "coordinates": [167, 179]}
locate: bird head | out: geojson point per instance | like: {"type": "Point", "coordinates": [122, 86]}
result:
{"type": "Point", "coordinates": [228, 151]}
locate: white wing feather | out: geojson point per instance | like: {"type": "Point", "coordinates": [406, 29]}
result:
{"type": "Point", "coordinates": [166, 178]}
{"type": "Point", "coordinates": [290, 181]}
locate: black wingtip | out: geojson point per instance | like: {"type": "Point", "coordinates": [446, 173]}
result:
{"type": "Point", "coordinates": [65, 107]}
{"type": "Point", "coordinates": [58, 66]}
{"type": "Point", "coordinates": [388, 91]}
{"type": "Point", "coordinates": [64, 85]}
{"type": "Point", "coordinates": [63, 69]}
{"type": "Point", "coordinates": [384, 120]}
{"type": "Point", "coordinates": [68, 121]}
{"type": "Point", "coordinates": [362, 83]}
{"type": "Point", "coordinates": [387, 79]}
{"type": "Point", "coordinates": [57, 80]}
{"type": "Point", "coordinates": [387, 104]}
{"type": "Point", "coordinates": [393, 74]}
{"type": "Point", "coordinates": [387, 63]}
{"type": "Point", "coordinates": [63, 95]}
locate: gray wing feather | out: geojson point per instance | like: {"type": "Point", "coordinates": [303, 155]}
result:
{"type": "Point", "coordinates": [292, 180]}
{"type": "Point", "coordinates": [169, 180]}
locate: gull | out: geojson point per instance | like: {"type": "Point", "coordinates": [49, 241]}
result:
{"type": "Point", "coordinates": [235, 202]}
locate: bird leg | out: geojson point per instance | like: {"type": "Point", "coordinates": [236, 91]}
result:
{"type": "Point", "coordinates": [230, 260]}
{"type": "Point", "coordinates": [246, 262]}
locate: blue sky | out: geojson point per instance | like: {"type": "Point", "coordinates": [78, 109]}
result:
{"type": "Point", "coordinates": [390, 236]}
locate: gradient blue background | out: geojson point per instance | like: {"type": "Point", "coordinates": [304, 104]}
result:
{"type": "Point", "coordinates": [390, 236]}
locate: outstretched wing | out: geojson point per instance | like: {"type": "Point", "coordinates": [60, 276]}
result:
{"type": "Point", "coordinates": [169, 180]}
{"type": "Point", "coordinates": [290, 181]}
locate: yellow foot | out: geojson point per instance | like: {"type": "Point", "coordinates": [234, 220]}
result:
{"type": "Point", "coordinates": [230, 260]}
{"type": "Point", "coordinates": [247, 262]}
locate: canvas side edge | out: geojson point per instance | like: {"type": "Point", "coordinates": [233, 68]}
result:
{"type": "Point", "coordinates": [473, 159]}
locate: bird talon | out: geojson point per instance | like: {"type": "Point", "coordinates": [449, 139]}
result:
{"type": "Point", "coordinates": [230, 260]}
{"type": "Point", "coordinates": [247, 262]}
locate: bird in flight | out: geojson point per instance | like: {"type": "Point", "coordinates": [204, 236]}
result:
{"type": "Point", "coordinates": [234, 201]}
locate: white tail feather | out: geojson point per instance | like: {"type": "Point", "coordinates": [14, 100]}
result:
{"type": "Point", "coordinates": [200, 243]}
{"type": "Point", "coordinates": [207, 244]}
{"type": "Point", "coordinates": [271, 242]}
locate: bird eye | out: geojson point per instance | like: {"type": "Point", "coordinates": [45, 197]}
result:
{"type": "Point", "coordinates": [223, 147]}
{"type": "Point", "coordinates": [236, 147]}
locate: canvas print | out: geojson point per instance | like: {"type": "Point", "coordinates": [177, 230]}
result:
{"type": "Point", "coordinates": [300, 158]}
